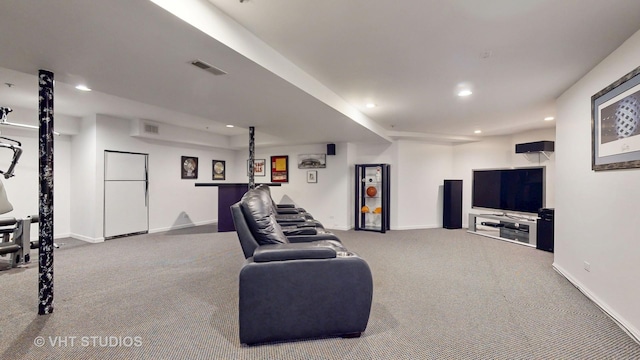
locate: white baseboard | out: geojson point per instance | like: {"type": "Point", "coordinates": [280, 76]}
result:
{"type": "Point", "coordinates": [55, 236]}
{"type": "Point", "coordinates": [87, 239]}
{"type": "Point", "coordinates": [632, 331]}
{"type": "Point", "coordinates": [151, 231]}
{"type": "Point", "coordinates": [183, 226]}
{"type": "Point", "coordinates": [406, 227]}
{"type": "Point", "coordinates": [415, 227]}
{"type": "Point", "coordinates": [342, 228]}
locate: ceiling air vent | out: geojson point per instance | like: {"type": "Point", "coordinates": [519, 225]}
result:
{"type": "Point", "coordinates": [151, 129]}
{"type": "Point", "coordinates": [206, 67]}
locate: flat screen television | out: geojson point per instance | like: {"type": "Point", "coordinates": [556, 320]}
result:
{"type": "Point", "coordinates": [518, 190]}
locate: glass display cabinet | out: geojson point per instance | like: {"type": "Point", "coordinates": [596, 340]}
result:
{"type": "Point", "coordinates": [372, 197]}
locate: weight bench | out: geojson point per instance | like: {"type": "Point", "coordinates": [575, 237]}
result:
{"type": "Point", "coordinates": [18, 247]}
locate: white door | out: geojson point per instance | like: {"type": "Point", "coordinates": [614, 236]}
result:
{"type": "Point", "coordinates": [126, 202]}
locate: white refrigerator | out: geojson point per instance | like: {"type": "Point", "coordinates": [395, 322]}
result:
{"type": "Point", "coordinates": [126, 194]}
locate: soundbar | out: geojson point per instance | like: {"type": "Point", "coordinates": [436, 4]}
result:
{"type": "Point", "coordinates": [535, 147]}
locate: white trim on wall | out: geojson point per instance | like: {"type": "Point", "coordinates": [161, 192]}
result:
{"type": "Point", "coordinates": [631, 330]}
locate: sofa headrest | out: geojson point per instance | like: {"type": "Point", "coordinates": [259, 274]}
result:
{"type": "Point", "coordinates": [264, 188]}
{"type": "Point", "coordinates": [260, 218]}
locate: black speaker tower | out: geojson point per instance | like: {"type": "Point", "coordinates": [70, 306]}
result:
{"type": "Point", "coordinates": [545, 227]}
{"type": "Point", "coordinates": [331, 149]}
{"type": "Point", "coordinates": [452, 206]}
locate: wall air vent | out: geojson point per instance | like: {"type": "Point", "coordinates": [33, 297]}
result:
{"type": "Point", "coordinates": [151, 129]}
{"type": "Point", "coordinates": [206, 67]}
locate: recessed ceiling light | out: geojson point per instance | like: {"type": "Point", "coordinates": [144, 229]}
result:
{"type": "Point", "coordinates": [465, 93]}
{"type": "Point", "coordinates": [229, 126]}
{"type": "Point", "coordinates": [83, 88]}
{"type": "Point", "coordinates": [478, 132]}
{"type": "Point", "coordinates": [549, 118]}
{"type": "Point", "coordinates": [370, 105]}
{"type": "Point", "coordinates": [486, 54]}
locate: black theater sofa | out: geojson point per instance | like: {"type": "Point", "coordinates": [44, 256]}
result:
{"type": "Point", "coordinates": [295, 287]}
{"type": "Point", "coordinates": [288, 215]}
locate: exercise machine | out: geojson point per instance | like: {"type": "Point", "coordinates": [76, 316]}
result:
{"type": "Point", "coordinates": [15, 234]}
{"type": "Point", "coordinates": [16, 248]}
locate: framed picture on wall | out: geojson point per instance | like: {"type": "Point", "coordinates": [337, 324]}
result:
{"type": "Point", "coordinates": [280, 168]}
{"type": "Point", "coordinates": [312, 176]}
{"type": "Point", "coordinates": [219, 169]}
{"type": "Point", "coordinates": [312, 161]}
{"type": "Point", "coordinates": [258, 167]}
{"type": "Point", "coordinates": [189, 167]}
{"type": "Point", "coordinates": [615, 124]}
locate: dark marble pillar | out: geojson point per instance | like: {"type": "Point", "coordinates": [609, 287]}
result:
{"type": "Point", "coordinates": [252, 156]}
{"type": "Point", "coordinates": [45, 258]}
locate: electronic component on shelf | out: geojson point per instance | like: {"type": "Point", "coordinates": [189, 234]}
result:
{"type": "Point", "coordinates": [491, 224]}
{"type": "Point", "coordinates": [516, 226]}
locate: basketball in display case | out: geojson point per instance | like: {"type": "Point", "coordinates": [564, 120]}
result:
{"type": "Point", "coordinates": [372, 198]}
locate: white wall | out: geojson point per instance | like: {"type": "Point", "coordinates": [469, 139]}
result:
{"type": "Point", "coordinates": [173, 202]}
{"type": "Point", "coordinates": [421, 171]}
{"type": "Point", "coordinates": [23, 189]}
{"type": "Point", "coordinates": [499, 152]}
{"type": "Point", "coordinates": [597, 212]}
{"type": "Point", "coordinates": [351, 150]}
{"type": "Point", "coordinates": [330, 200]}
{"type": "Point", "coordinates": [83, 199]}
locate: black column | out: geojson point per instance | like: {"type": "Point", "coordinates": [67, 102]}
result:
{"type": "Point", "coordinates": [252, 156]}
{"type": "Point", "coordinates": [45, 258]}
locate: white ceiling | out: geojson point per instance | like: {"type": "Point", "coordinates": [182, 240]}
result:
{"type": "Point", "coordinates": [407, 57]}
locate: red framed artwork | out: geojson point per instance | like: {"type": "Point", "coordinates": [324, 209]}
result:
{"type": "Point", "coordinates": [280, 169]}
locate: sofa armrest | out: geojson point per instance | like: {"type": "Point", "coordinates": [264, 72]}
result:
{"type": "Point", "coordinates": [309, 238]}
{"type": "Point", "coordinates": [283, 252]}
{"type": "Point", "coordinates": [283, 211]}
{"type": "Point", "coordinates": [294, 230]}
{"type": "Point", "coordinates": [305, 224]}
{"type": "Point", "coordinates": [293, 218]}
{"type": "Point", "coordinates": [285, 206]}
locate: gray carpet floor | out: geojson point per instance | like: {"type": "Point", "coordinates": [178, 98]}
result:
{"type": "Point", "coordinates": [438, 294]}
